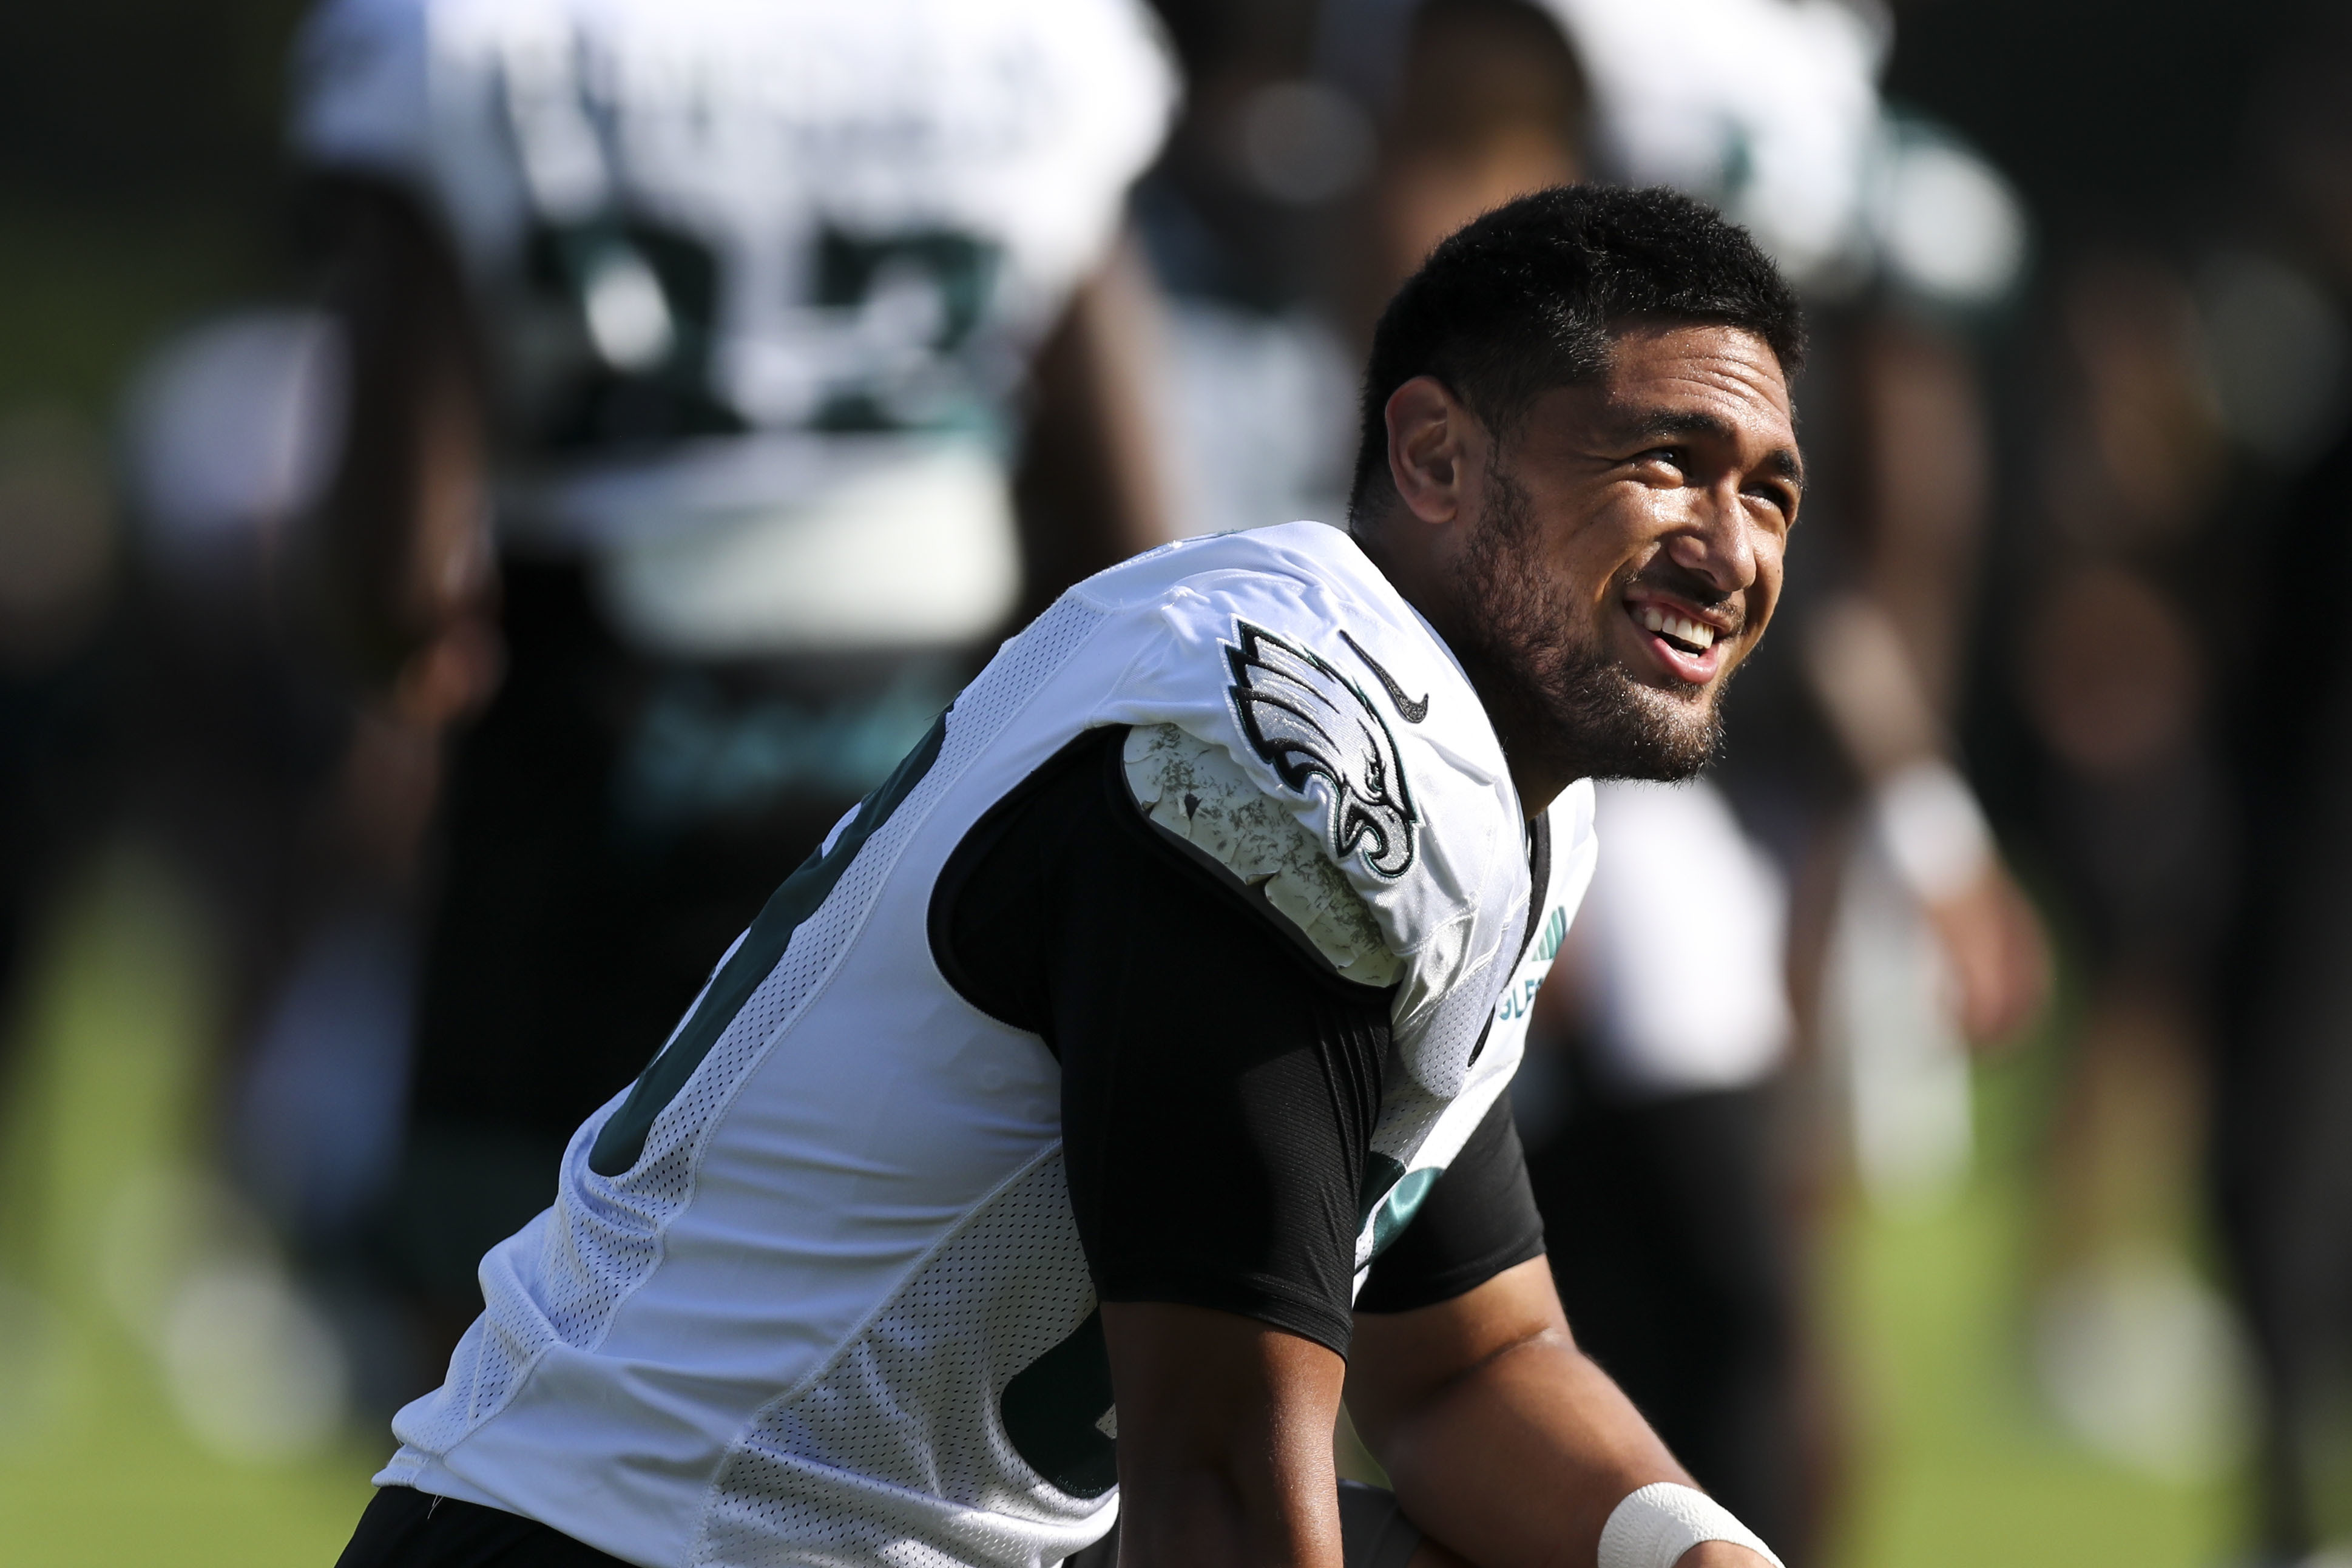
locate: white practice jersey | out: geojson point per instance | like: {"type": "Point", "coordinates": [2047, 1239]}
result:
{"type": "Point", "coordinates": [759, 278]}
{"type": "Point", "coordinates": [812, 1292]}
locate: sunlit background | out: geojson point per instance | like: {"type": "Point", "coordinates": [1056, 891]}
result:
{"type": "Point", "coordinates": [2023, 1334]}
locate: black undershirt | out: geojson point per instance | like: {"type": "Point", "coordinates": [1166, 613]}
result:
{"type": "Point", "coordinates": [1219, 1087]}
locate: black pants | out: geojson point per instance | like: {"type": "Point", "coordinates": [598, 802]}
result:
{"type": "Point", "coordinates": [403, 1528]}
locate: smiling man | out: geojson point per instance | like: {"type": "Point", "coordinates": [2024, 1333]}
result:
{"type": "Point", "coordinates": [1123, 1081]}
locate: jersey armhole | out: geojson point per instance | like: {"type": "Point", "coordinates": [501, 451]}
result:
{"type": "Point", "coordinates": [965, 859]}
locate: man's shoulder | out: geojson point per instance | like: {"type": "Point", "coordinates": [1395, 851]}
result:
{"type": "Point", "coordinates": [1288, 647]}
{"type": "Point", "coordinates": [1290, 665]}
{"type": "Point", "coordinates": [1303, 603]}
{"type": "Point", "coordinates": [1305, 551]}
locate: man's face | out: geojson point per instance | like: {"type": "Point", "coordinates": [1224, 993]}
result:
{"type": "Point", "coordinates": [1623, 551]}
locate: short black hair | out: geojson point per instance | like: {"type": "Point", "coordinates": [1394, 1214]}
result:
{"type": "Point", "coordinates": [1526, 297]}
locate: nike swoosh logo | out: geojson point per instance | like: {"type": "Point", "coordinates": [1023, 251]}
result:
{"type": "Point", "coordinates": [1411, 712]}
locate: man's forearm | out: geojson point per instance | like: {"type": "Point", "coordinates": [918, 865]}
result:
{"type": "Point", "coordinates": [1180, 1516]}
{"type": "Point", "coordinates": [1518, 1462]}
{"type": "Point", "coordinates": [1503, 1441]}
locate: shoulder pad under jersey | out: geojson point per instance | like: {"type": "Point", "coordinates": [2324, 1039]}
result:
{"type": "Point", "coordinates": [1194, 792]}
{"type": "Point", "coordinates": [1289, 653]}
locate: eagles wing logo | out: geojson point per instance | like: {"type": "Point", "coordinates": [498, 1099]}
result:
{"type": "Point", "coordinates": [1307, 719]}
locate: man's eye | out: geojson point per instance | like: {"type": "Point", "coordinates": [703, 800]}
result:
{"type": "Point", "coordinates": [1661, 457]}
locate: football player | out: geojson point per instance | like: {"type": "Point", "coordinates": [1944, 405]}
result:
{"type": "Point", "coordinates": [1123, 1079]}
{"type": "Point", "coordinates": [694, 346]}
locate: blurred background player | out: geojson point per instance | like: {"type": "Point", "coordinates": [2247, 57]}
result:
{"type": "Point", "coordinates": [2275, 307]}
{"type": "Point", "coordinates": [695, 351]}
{"type": "Point", "coordinates": [292, 807]}
{"type": "Point", "coordinates": [59, 550]}
{"type": "Point", "coordinates": [1667, 1181]}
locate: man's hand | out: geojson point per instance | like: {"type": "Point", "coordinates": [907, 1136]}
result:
{"type": "Point", "coordinates": [1224, 1440]}
{"type": "Point", "coordinates": [1999, 956]}
{"type": "Point", "coordinates": [1721, 1554]}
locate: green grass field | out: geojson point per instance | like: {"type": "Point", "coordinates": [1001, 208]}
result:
{"type": "Point", "coordinates": [106, 1090]}
{"type": "Point", "coordinates": [1953, 1464]}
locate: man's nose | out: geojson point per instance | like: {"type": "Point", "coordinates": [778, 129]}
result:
{"type": "Point", "coordinates": [1716, 542]}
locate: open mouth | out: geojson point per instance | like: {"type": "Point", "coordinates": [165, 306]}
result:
{"type": "Point", "coordinates": [1686, 642]}
{"type": "Point", "coordinates": [1680, 631]}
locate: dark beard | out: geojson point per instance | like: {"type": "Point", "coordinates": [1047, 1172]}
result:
{"type": "Point", "coordinates": [1551, 697]}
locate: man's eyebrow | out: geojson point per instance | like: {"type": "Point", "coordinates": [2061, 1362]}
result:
{"type": "Point", "coordinates": [1781, 462]}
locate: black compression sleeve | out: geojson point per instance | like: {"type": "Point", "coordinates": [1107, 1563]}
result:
{"type": "Point", "coordinates": [1218, 1090]}
{"type": "Point", "coordinates": [1479, 1220]}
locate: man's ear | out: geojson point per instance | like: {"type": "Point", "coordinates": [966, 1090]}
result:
{"type": "Point", "coordinates": [1430, 437]}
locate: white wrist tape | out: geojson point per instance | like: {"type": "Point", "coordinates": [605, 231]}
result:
{"type": "Point", "coordinates": [1928, 821]}
{"type": "Point", "coordinates": [1653, 1528]}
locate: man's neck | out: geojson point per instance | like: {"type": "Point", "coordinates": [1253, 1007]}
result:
{"type": "Point", "coordinates": [1537, 776]}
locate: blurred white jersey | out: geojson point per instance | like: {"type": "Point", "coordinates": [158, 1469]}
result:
{"type": "Point", "coordinates": [759, 278]}
{"type": "Point", "coordinates": [1681, 1006]}
{"type": "Point", "coordinates": [811, 1291]}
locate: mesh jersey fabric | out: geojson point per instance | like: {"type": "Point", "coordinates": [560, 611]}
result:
{"type": "Point", "coordinates": [827, 1300]}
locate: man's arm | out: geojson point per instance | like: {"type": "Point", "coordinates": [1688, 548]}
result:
{"type": "Point", "coordinates": [1224, 1442]}
{"type": "Point", "coordinates": [401, 579]}
{"type": "Point", "coordinates": [1219, 1090]}
{"type": "Point", "coordinates": [1504, 1440]}
{"type": "Point", "coordinates": [1090, 488]}
{"type": "Point", "coordinates": [1868, 685]}
{"type": "Point", "coordinates": [1885, 658]}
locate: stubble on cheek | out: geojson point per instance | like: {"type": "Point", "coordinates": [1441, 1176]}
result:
{"type": "Point", "coordinates": [1553, 687]}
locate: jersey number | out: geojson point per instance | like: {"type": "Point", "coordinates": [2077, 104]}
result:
{"type": "Point", "coordinates": [646, 300]}
{"type": "Point", "coordinates": [916, 298]}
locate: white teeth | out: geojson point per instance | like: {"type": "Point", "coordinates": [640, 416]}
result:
{"type": "Point", "coordinates": [1697, 633]}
